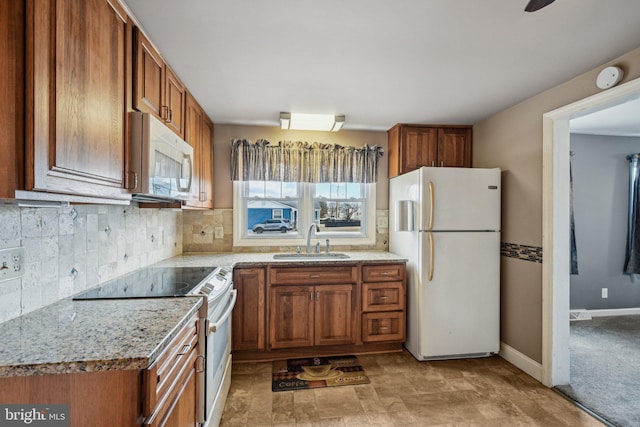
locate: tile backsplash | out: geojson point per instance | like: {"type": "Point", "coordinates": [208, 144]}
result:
{"type": "Point", "coordinates": [200, 234]}
{"type": "Point", "coordinates": [71, 249]}
{"type": "Point", "coordinates": [75, 248]}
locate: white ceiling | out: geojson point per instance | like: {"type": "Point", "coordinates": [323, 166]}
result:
{"type": "Point", "coordinates": [618, 120]}
{"type": "Point", "coordinates": [380, 62]}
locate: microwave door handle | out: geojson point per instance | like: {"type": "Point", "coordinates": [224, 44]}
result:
{"type": "Point", "coordinates": [187, 157]}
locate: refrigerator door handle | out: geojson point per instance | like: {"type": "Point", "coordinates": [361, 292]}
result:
{"type": "Point", "coordinates": [432, 248]}
{"type": "Point", "coordinates": [431, 204]}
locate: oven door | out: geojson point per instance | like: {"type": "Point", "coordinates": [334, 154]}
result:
{"type": "Point", "coordinates": [217, 360]}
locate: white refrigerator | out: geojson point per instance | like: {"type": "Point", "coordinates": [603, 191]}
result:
{"type": "Point", "coordinates": [446, 222]}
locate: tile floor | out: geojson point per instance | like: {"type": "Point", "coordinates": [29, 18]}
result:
{"type": "Point", "coordinates": [404, 392]}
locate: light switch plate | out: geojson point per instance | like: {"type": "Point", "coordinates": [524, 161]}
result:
{"type": "Point", "coordinates": [218, 232]}
{"type": "Point", "coordinates": [11, 263]}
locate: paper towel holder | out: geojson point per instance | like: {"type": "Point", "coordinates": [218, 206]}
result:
{"type": "Point", "coordinates": [404, 219]}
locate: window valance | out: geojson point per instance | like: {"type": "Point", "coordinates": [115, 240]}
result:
{"type": "Point", "coordinates": [289, 161]}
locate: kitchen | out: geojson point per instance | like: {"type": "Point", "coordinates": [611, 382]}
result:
{"type": "Point", "coordinates": [68, 249]}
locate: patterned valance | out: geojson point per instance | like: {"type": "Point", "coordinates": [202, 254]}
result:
{"type": "Point", "coordinates": [303, 162]}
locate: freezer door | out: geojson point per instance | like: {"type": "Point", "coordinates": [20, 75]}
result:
{"type": "Point", "coordinates": [459, 305]}
{"type": "Point", "coordinates": [460, 199]}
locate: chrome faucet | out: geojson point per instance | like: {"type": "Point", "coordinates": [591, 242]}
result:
{"type": "Point", "coordinates": [313, 227]}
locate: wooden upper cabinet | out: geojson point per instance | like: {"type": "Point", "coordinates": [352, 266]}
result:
{"type": "Point", "coordinates": [454, 147]}
{"type": "Point", "coordinates": [149, 82]}
{"type": "Point", "coordinates": [157, 89]}
{"type": "Point", "coordinates": [78, 75]}
{"type": "Point", "coordinates": [206, 175]}
{"type": "Point", "coordinates": [12, 70]}
{"type": "Point", "coordinates": [176, 99]}
{"type": "Point", "coordinates": [199, 134]}
{"type": "Point", "coordinates": [414, 146]}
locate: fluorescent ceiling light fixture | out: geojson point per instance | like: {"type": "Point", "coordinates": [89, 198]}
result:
{"type": "Point", "coordinates": [299, 121]}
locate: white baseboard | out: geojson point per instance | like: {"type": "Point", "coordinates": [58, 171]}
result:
{"type": "Point", "coordinates": [521, 361]}
{"type": "Point", "coordinates": [614, 312]}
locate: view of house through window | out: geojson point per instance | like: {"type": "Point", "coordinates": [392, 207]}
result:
{"type": "Point", "coordinates": [287, 209]}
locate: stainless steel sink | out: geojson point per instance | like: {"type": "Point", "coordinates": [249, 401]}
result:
{"type": "Point", "coordinates": [332, 255]}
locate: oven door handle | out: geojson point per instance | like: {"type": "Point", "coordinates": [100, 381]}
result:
{"type": "Point", "coordinates": [214, 327]}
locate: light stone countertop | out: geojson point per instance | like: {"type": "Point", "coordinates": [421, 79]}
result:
{"type": "Point", "coordinates": [92, 335]}
{"type": "Point", "coordinates": [257, 259]}
{"type": "Point", "coordinates": [97, 335]}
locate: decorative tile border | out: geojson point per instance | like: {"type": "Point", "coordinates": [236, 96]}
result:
{"type": "Point", "coordinates": [523, 252]}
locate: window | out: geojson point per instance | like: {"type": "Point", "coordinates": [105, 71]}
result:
{"type": "Point", "coordinates": [268, 211]}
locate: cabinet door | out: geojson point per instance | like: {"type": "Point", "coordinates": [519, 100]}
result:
{"type": "Point", "coordinates": [193, 135]}
{"type": "Point", "coordinates": [291, 322]}
{"type": "Point", "coordinates": [148, 82]}
{"type": "Point", "coordinates": [454, 147]}
{"type": "Point", "coordinates": [199, 134]}
{"type": "Point", "coordinates": [334, 314]}
{"type": "Point", "coordinates": [176, 95]}
{"type": "Point", "coordinates": [418, 147]}
{"type": "Point", "coordinates": [78, 69]}
{"type": "Point", "coordinates": [183, 413]}
{"type": "Point", "coordinates": [206, 164]}
{"type": "Point", "coordinates": [248, 331]}
{"type": "Point", "coordinates": [12, 70]}
{"type": "Point", "coordinates": [380, 327]}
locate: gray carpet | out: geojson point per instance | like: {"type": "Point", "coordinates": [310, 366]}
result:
{"type": "Point", "coordinates": [605, 368]}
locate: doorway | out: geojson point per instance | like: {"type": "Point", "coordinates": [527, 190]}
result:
{"type": "Point", "coordinates": [556, 228]}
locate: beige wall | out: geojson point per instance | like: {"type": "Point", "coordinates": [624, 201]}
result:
{"type": "Point", "coordinates": [223, 134]}
{"type": "Point", "coordinates": [512, 140]}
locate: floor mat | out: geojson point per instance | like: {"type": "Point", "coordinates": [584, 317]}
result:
{"type": "Point", "coordinates": [315, 372]}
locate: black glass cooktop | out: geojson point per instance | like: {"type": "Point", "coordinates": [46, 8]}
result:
{"type": "Point", "coordinates": [152, 282]}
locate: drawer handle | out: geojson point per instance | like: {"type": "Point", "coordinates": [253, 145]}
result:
{"type": "Point", "coordinates": [382, 328]}
{"type": "Point", "coordinates": [184, 350]}
{"type": "Point", "coordinates": [314, 276]}
{"type": "Point", "coordinates": [383, 297]}
{"type": "Point", "coordinates": [384, 273]}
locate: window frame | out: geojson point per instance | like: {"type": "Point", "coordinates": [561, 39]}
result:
{"type": "Point", "coordinates": [367, 235]}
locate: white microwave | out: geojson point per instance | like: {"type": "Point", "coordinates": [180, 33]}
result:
{"type": "Point", "coordinates": [161, 162]}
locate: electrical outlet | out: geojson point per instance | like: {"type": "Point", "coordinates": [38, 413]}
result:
{"type": "Point", "coordinates": [605, 293]}
{"type": "Point", "coordinates": [11, 263]}
{"type": "Point", "coordinates": [218, 232]}
{"type": "Point", "coordinates": [383, 222]}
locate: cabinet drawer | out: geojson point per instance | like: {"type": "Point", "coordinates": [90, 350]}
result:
{"type": "Point", "coordinates": [387, 326]}
{"type": "Point", "coordinates": [383, 296]}
{"type": "Point", "coordinates": [313, 275]}
{"type": "Point", "coordinates": [161, 378]}
{"type": "Point", "coordinates": [383, 273]}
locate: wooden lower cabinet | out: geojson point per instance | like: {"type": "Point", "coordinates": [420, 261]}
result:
{"type": "Point", "coordinates": [162, 395]}
{"type": "Point", "coordinates": [248, 317]}
{"type": "Point", "coordinates": [291, 316]}
{"type": "Point", "coordinates": [303, 316]}
{"type": "Point", "coordinates": [335, 308]}
{"type": "Point", "coordinates": [169, 384]}
{"type": "Point", "coordinates": [290, 311]}
{"type": "Point", "coordinates": [386, 326]}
